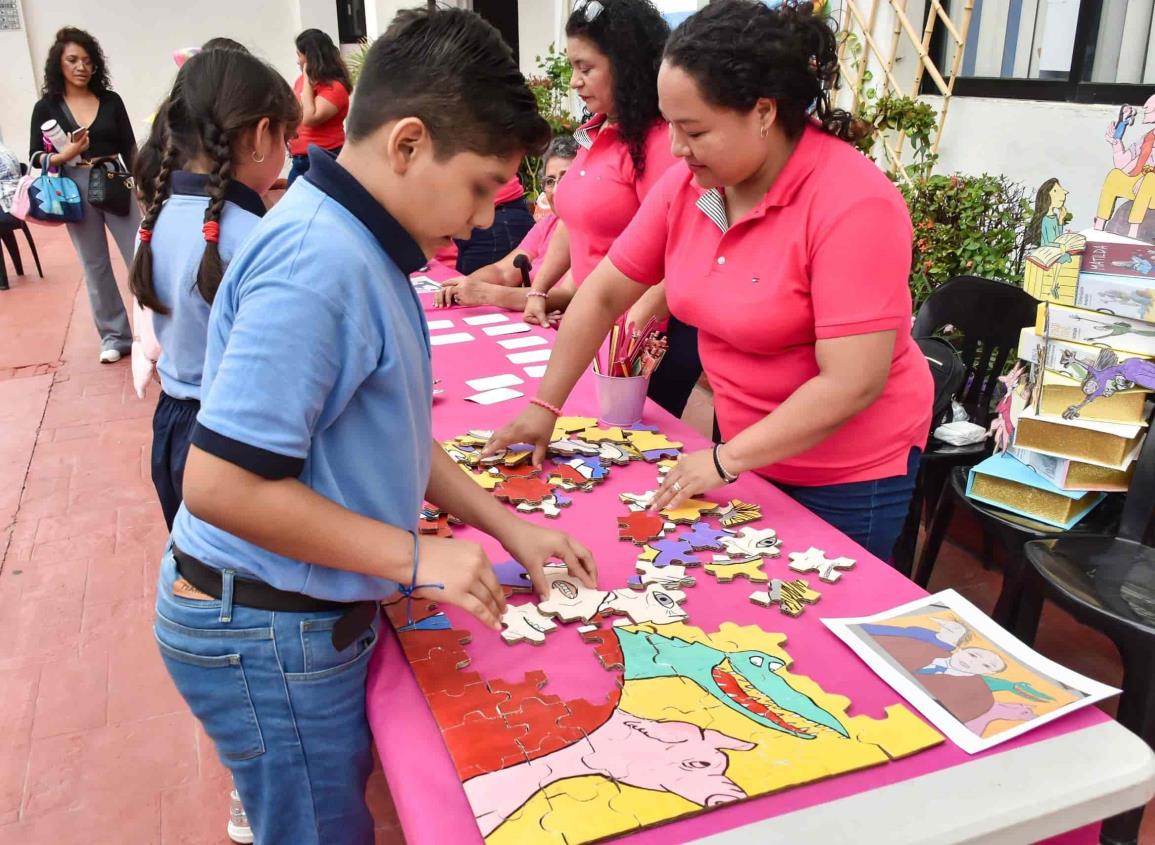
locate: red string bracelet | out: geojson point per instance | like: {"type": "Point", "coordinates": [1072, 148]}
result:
{"type": "Point", "coordinates": [541, 403]}
{"type": "Point", "coordinates": [212, 232]}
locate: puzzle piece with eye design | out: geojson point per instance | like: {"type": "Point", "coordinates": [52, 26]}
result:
{"type": "Point", "coordinates": [656, 604]}
{"type": "Point", "coordinates": [670, 577]}
{"type": "Point", "coordinates": [519, 490]}
{"type": "Point", "coordinates": [571, 601]}
{"type": "Point", "coordinates": [524, 622]}
{"type": "Point", "coordinates": [737, 512]}
{"type": "Point", "coordinates": [641, 527]}
{"type": "Point", "coordinates": [726, 569]}
{"type": "Point", "coordinates": [753, 542]}
{"type": "Point", "coordinates": [815, 560]}
{"type": "Point", "coordinates": [790, 596]}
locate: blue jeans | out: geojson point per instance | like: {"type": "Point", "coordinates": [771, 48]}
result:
{"type": "Point", "coordinates": [871, 513]}
{"type": "Point", "coordinates": [511, 223]}
{"type": "Point", "coordinates": [300, 165]}
{"type": "Point", "coordinates": [285, 710]}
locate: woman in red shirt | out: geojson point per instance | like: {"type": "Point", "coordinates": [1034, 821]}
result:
{"type": "Point", "coordinates": [324, 99]}
{"type": "Point", "coordinates": [614, 48]}
{"type": "Point", "coordinates": [790, 251]}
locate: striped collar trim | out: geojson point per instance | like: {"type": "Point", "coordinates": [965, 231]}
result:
{"type": "Point", "coordinates": [712, 204]}
{"type": "Point", "coordinates": [582, 133]}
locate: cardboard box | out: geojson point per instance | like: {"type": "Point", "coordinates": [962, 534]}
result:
{"type": "Point", "coordinates": [1075, 475]}
{"type": "Point", "coordinates": [1006, 483]}
{"type": "Point", "coordinates": [1095, 327]}
{"type": "Point", "coordinates": [1101, 443]}
{"type": "Point", "coordinates": [1116, 275]}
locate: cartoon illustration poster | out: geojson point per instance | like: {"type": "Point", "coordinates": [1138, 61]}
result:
{"type": "Point", "coordinates": [1128, 193]}
{"type": "Point", "coordinates": [973, 681]}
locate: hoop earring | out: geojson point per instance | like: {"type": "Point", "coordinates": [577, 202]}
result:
{"type": "Point", "coordinates": [262, 158]}
{"type": "Point", "coordinates": [762, 131]}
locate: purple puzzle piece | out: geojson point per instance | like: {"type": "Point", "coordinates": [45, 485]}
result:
{"type": "Point", "coordinates": [704, 537]}
{"type": "Point", "coordinates": [561, 498]}
{"type": "Point", "coordinates": [510, 573]}
{"type": "Point", "coordinates": [674, 550]}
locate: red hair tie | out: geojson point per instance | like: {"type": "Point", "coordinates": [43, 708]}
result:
{"type": "Point", "coordinates": [145, 235]}
{"type": "Point", "coordinates": [212, 232]}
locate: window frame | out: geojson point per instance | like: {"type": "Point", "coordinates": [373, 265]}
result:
{"type": "Point", "coordinates": [1075, 89]}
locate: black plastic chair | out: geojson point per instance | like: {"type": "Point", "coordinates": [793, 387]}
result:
{"type": "Point", "coordinates": [9, 226]}
{"type": "Point", "coordinates": [988, 316]}
{"type": "Point", "coordinates": [1015, 609]}
{"type": "Point", "coordinates": [1108, 583]}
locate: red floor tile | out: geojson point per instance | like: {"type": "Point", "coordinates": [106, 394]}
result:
{"type": "Point", "coordinates": [73, 696]}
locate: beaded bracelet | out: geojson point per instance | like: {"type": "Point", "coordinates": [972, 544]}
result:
{"type": "Point", "coordinates": [537, 293]}
{"type": "Point", "coordinates": [541, 403]}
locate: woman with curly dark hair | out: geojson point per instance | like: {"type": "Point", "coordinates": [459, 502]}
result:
{"type": "Point", "coordinates": [78, 97]}
{"type": "Point", "coordinates": [615, 48]}
{"type": "Point", "coordinates": [790, 251]}
{"type": "Point", "coordinates": [323, 88]}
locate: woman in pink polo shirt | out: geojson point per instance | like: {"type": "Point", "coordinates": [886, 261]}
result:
{"type": "Point", "coordinates": [615, 48]}
{"type": "Point", "coordinates": [790, 252]}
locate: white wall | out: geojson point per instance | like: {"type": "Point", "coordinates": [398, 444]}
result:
{"type": "Point", "coordinates": [1031, 142]}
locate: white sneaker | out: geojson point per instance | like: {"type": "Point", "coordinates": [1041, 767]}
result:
{"type": "Point", "coordinates": [239, 830]}
{"type": "Point", "coordinates": [110, 356]}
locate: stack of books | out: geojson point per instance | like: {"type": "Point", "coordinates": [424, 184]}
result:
{"type": "Point", "coordinates": [1081, 413]}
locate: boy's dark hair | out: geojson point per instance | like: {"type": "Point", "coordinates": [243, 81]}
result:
{"type": "Point", "coordinates": [323, 59]}
{"type": "Point", "coordinates": [739, 51]}
{"type": "Point", "coordinates": [451, 70]}
{"type": "Point", "coordinates": [98, 83]}
{"type": "Point", "coordinates": [218, 95]}
{"type": "Point", "coordinates": [631, 34]}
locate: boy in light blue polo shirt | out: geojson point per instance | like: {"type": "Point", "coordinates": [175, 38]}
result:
{"type": "Point", "coordinates": [313, 449]}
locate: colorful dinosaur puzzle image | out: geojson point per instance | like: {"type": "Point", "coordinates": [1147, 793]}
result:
{"type": "Point", "coordinates": [701, 720]}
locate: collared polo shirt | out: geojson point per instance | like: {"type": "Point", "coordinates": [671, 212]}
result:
{"type": "Point", "coordinates": [318, 368]}
{"type": "Point", "coordinates": [178, 245]}
{"type": "Point", "coordinates": [826, 254]}
{"type": "Point", "coordinates": [601, 192]}
{"type": "Point", "coordinates": [536, 242]}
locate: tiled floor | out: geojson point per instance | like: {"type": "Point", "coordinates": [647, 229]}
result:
{"type": "Point", "coordinates": [95, 744]}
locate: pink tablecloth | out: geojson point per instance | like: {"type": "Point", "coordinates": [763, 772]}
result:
{"type": "Point", "coordinates": [429, 799]}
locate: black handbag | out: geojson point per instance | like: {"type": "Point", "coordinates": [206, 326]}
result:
{"type": "Point", "coordinates": [110, 187]}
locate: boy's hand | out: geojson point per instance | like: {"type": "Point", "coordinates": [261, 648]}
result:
{"type": "Point", "coordinates": [534, 426]}
{"type": "Point", "coordinates": [466, 575]}
{"type": "Point", "coordinates": [532, 546]}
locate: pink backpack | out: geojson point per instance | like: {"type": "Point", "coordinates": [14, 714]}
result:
{"type": "Point", "coordinates": [20, 201]}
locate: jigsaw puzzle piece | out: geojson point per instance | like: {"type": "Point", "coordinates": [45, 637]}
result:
{"type": "Point", "coordinates": [690, 511]}
{"type": "Point", "coordinates": [654, 604]}
{"type": "Point", "coordinates": [569, 447]}
{"type": "Point", "coordinates": [480, 745]}
{"type": "Point", "coordinates": [613, 453]}
{"type": "Point", "coordinates": [451, 710]}
{"type": "Point", "coordinates": [790, 596]}
{"type": "Point", "coordinates": [670, 577]}
{"type": "Point", "coordinates": [641, 527]}
{"type": "Point", "coordinates": [737, 512]}
{"type": "Point", "coordinates": [525, 623]}
{"type": "Point", "coordinates": [648, 441]}
{"type": "Point", "coordinates": [550, 506]}
{"type": "Point", "coordinates": [509, 473]}
{"type": "Point", "coordinates": [597, 434]}
{"type": "Point", "coordinates": [570, 600]}
{"type": "Point", "coordinates": [703, 537]}
{"type": "Point", "coordinates": [588, 817]}
{"type": "Point", "coordinates": [900, 734]}
{"type": "Point", "coordinates": [606, 647]}
{"type": "Point", "coordinates": [483, 479]}
{"type": "Point", "coordinates": [531, 490]}
{"type": "Point", "coordinates": [673, 550]}
{"type": "Point", "coordinates": [569, 425]}
{"type": "Point", "coordinates": [753, 542]}
{"type": "Point", "coordinates": [815, 560]}
{"type": "Point", "coordinates": [519, 692]}
{"type": "Point", "coordinates": [638, 501]}
{"type": "Point", "coordinates": [726, 569]}
{"type": "Point", "coordinates": [544, 734]}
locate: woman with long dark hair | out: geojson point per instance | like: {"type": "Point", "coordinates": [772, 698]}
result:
{"type": "Point", "coordinates": [77, 95]}
{"type": "Point", "coordinates": [615, 48]}
{"type": "Point", "coordinates": [790, 252]}
{"type": "Point", "coordinates": [323, 88]}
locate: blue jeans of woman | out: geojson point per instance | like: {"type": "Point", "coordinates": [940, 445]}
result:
{"type": "Point", "coordinates": [871, 513]}
{"type": "Point", "coordinates": [285, 710]}
{"type": "Point", "coordinates": [300, 165]}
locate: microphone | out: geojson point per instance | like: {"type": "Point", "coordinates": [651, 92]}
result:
{"type": "Point", "coordinates": [523, 264]}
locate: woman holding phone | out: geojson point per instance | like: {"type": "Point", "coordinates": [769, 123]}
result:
{"type": "Point", "coordinates": [77, 95]}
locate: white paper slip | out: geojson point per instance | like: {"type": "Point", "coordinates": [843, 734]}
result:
{"type": "Point", "coordinates": [424, 284]}
{"type": "Point", "coordinates": [486, 319]}
{"type": "Point", "coordinates": [494, 382]}
{"type": "Point", "coordinates": [512, 328]}
{"type": "Point", "coordinates": [533, 356]}
{"type": "Point", "coordinates": [536, 371]}
{"type": "Point", "coordinates": [490, 397]}
{"type": "Point", "coordinates": [456, 337]}
{"type": "Point", "coordinates": [523, 342]}
{"type": "Point", "coordinates": [434, 325]}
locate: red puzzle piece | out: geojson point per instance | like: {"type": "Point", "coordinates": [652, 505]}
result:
{"type": "Point", "coordinates": [566, 473]}
{"type": "Point", "coordinates": [529, 687]}
{"type": "Point", "coordinates": [640, 527]}
{"type": "Point", "coordinates": [478, 748]}
{"type": "Point", "coordinates": [541, 723]}
{"type": "Point", "coordinates": [451, 710]}
{"type": "Point", "coordinates": [531, 490]}
{"type": "Point", "coordinates": [520, 471]}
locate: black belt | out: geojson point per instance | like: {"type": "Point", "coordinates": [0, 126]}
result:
{"type": "Point", "coordinates": [356, 619]}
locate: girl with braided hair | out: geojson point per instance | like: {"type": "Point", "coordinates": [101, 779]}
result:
{"type": "Point", "coordinates": [222, 133]}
